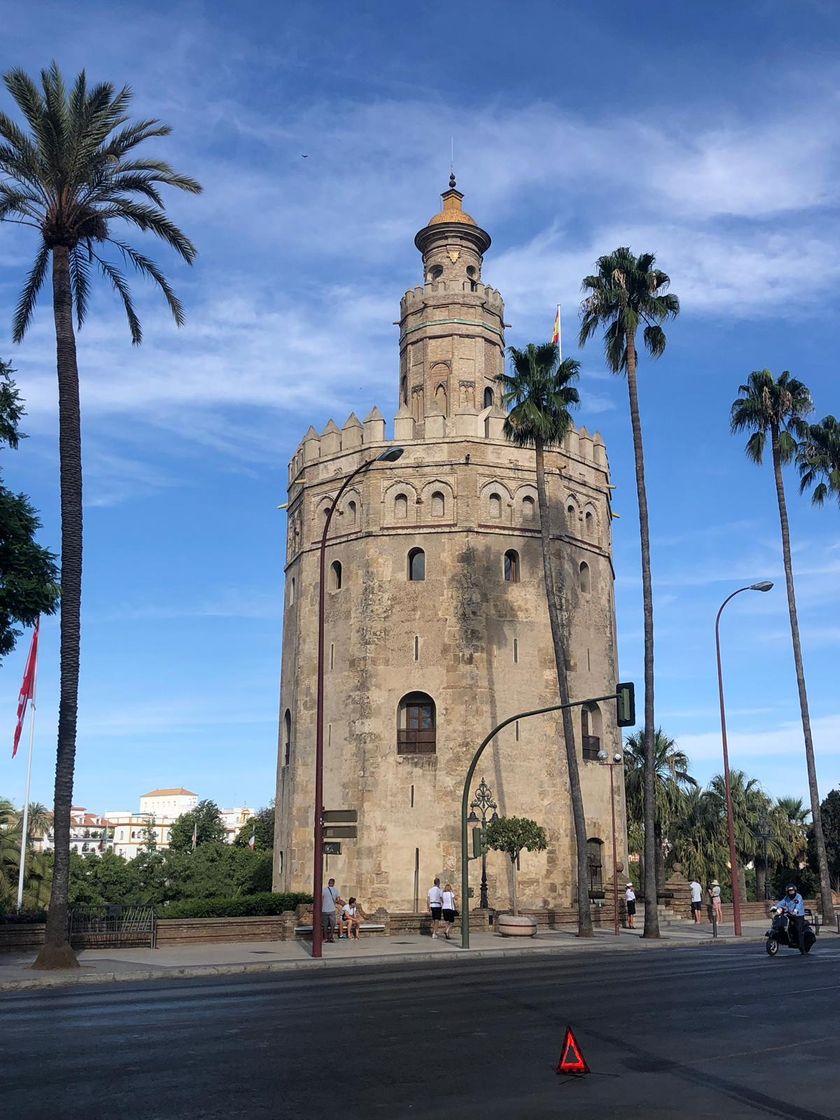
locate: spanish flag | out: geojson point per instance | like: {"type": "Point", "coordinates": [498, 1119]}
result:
{"type": "Point", "coordinates": [557, 336]}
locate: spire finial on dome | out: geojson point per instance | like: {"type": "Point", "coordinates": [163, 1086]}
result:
{"type": "Point", "coordinates": [452, 180]}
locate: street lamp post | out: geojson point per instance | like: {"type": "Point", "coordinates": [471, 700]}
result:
{"type": "Point", "coordinates": [765, 585]}
{"type": "Point", "coordinates": [616, 758]}
{"type": "Point", "coordinates": [389, 456]}
{"type": "Point", "coordinates": [483, 801]}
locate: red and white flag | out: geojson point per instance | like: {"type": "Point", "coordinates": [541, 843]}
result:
{"type": "Point", "coordinates": [27, 689]}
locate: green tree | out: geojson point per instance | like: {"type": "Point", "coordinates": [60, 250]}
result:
{"type": "Point", "coordinates": [75, 178]}
{"type": "Point", "coordinates": [511, 835]}
{"type": "Point", "coordinates": [818, 459]}
{"type": "Point", "coordinates": [261, 827]}
{"type": "Point", "coordinates": [28, 573]}
{"type": "Point", "coordinates": [149, 836]}
{"type": "Point", "coordinates": [749, 806]}
{"type": "Point", "coordinates": [628, 294]}
{"type": "Point", "coordinates": [539, 393]}
{"type": "Point", "coordinates": [202, 825]}
{"type": "Point", "coordinates": [671, 781]}
{"type": "Point", "coordinates": [830, 811]}
{"type": "Point", "coordinates": [777, 408]}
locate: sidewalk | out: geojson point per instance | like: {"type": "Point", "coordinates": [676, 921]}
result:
{"type": "Point", "coordinates": [103, 965]}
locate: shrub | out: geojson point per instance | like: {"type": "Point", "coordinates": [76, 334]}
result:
{"type": "Point", "coordinates": [22, 918]}
{"type": "Point", "coordinates": [246, 906]}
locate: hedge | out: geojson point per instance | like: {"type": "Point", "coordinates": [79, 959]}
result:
{"type": "Point", "coordinates": [25, 917]}
{"type": "Point", "coordinates": [246, 906]}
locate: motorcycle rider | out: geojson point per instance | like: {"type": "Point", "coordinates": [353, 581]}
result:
{"type": "Point", "coordinates": [793, 905]}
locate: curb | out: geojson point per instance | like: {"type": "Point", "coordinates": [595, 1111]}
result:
{"type": "Point", "coordinates": [83, 976]}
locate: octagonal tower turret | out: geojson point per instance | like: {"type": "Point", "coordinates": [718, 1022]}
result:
{"type": "Point", "coordinates": [452, 327]}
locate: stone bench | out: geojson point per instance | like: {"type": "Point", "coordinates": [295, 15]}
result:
{"type": "Point", "coordinates": [366, 927]}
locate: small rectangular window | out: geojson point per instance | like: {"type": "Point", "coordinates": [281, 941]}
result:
{"type": "Point", "coordinates": [416, 647]}
{"type": "Point", "coordinates": [516, 651]}
{"type": "Point", "coordinates": [332, 655]}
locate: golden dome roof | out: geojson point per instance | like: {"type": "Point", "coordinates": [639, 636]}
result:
{"type": "Point", "coordinates": [452, 210]}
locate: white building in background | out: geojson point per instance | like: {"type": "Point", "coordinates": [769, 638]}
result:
{"type": "Point", "coordinates": [168, 804]}
{"type": "Point", "coordinates": [158, 812]}
{"type": "Point", "coordinates": [234, 820]}
{"type": "Point", "coordinates": [89, 834]}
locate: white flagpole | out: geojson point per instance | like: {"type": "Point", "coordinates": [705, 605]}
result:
{"type": "Point", "coordinates": [559, 333]}
{"type": "Point", "coordinates": [25, 829]}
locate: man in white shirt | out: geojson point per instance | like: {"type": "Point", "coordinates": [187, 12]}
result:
{"type": "Point", "coordinates": [696, 901]}
{"type": "Point", "coordinates": [435, 905]}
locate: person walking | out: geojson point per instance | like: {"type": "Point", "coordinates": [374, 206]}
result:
{"type": "Point", "coordinates": [696, 900]}
{"type": "Point", "coordinates": [435, 898]}
{"type": "Point", "coordinates": [330, 898]}
{"type": "Point", "coordinates": [630, 903]}
{"type": "Point", "coordinates": [448, 910]}
{"type": "Point", "coordinates": [714, 898]}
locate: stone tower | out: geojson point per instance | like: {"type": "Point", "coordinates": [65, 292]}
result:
{"type": "Point", "coordinates": [436, 621]}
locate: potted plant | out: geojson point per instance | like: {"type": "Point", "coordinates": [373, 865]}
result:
{"type": "Point", "coordinates": [511, 835]}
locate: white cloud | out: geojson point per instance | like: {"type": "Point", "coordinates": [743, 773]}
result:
{"type": "Point", "coordinates": [782, 740]}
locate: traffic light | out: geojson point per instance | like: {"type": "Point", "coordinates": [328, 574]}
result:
{"type": "Point", "coordinates": [625, 704]}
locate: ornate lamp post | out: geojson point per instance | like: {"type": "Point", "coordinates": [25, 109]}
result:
{"type": "Point", "coordinates": [765, 585]}
{"type": "Point", "coordinates": [389, 456]}
{"type": "Point", "coordinates": [483, 801]}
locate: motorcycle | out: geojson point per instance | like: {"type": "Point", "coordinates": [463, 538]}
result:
{"type": "Point", "coordinates": [783, 932]}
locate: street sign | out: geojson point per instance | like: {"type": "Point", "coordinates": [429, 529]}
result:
{"type": "Point", "coordinates": [341, 816]}
{"type": "Point", "coordinates": [332, 848]}
{"type": "Point", "coordinates": [340, 832]}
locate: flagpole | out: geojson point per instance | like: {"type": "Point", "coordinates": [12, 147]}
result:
{"type": "Point", "coordinates": [25, 828]}
{"type": "Point", "coordinates": [559, 333]}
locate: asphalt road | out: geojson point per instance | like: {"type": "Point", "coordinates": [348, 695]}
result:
{"type": "Point", "coordinates": [692, 1033]}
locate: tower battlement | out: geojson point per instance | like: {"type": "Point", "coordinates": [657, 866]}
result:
{"type": "Point", "coordinates": [482, 294]}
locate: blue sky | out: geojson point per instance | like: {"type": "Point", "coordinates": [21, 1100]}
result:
{"type": "Point", "coordinates": [705, 133]}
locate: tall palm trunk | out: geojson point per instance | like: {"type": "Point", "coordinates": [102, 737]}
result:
{"type": "Point", "coordinates": [819, 839]}
{"type": "Point", "coordinates": [57, 952]}
{"type": "Point", "coordinates": [558, 637]}
{"type": "Point", "coordinates": [651, 915]}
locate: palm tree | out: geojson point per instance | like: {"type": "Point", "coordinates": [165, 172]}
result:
{"type": "Point", "coordinates": [699, 836]}
{"type": "Point", "coordinates": [627, 293]}
{"type": "Point", "coordinates": [818, 459]}
{"type": "Point", "coordinates": [777, 408]}
{"type": "Point", "coordinates": [539, 393]}
{"type": "Point", "coordinates": [672, 782]}
{"type": "Point", "coordinates": [73, 178]}
{"type": "Point", "coordinates": [749, 805]}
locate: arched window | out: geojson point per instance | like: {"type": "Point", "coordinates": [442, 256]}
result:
{"type": "Point", "coordinates": [511, 566]}
{"type": "Point", "coordinates": [401, 507]}
{"type": "Point", "coordinates": [528, 508]}
{"type": "Point", "coordinates": [585, 578]}
{"type": "Point", "coordinates": [351, 514]}
{"type": "Point", "coordinates": [416, 732]}
{"type": "Point", "coordinates": [435, 272]}
{"type": "Point", "coordinates": [287, 737]}
{"type": "Point", "coordinates": [590, 727]}
{"type": "Point", "coordinates": [495, 505]}
{"type": "Point", "coordinates": [589, 523]}
{"type": "Point", "coordinates": [335, 575]}
{"type": "Point", "coordinates": [440, 398]}
{"type": "Point", "coordinates": [488, 397]}
{"type": "Point", "coordinates": [571, 511]}
{"type": "Point", "coordinates": [438, 504]}
{"type": "Point", "coordinates": [594, 863]}
{"type": "Point", "coordinates": [403, 390]}
{"type": "Point", "coordinates": [416, 565]}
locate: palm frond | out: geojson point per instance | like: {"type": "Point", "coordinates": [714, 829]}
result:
{"type": "Point", "coordinates": [152, 220]}
{"type": "Point", "coordinates": [147, 267]}
{"type": "Point", "coordinates": [29, 296]}
{"type": "Point", "coordinates": [80, 281]}
{"type": "Point", "coordinates": [122, 289]}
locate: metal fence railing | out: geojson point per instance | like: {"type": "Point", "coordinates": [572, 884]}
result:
{"type": "Point", "coordinates": [98, 926]}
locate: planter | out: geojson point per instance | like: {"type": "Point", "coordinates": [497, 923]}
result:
{"type": "Point", "coordinates": [515, 925]}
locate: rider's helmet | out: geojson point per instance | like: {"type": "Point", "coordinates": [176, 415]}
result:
{"type": "Point", "coordinates": [790, 889]}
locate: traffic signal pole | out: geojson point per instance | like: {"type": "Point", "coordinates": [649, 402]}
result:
{"type": "Point", "coordinates": [624, 697]}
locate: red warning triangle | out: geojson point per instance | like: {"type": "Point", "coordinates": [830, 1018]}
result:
{"type": "Point", "coordinates": [571, 1056]}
